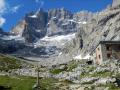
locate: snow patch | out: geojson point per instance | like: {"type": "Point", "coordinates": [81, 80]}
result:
{"type": "Point", "coordinates": [77, 57]}
{"type": "Point", "coordinates": [87, 57]}
{"type": "Point", "coordinates": [33, 16]}
{"type": "Point", "coordinates": [54, 17]}
{"type": "Point", "coordinates": [80, 57]}
{"type": "Point", "coordinates": [64, 24]}
{"type": "Point", "coordinates": [59, 38]}
{"type": "Point", "coordinates": [79, 22]}
{"type": "Point", "coordinates": [17, 38]}
{"type": "Point", "coordinates": [71, 20]}
{"type": "Point", "coordinates": [60, 53]}
{"type": "Point", "coordinates": [82, 22]}
{"type": "Point", "coordinates": [38, 30]}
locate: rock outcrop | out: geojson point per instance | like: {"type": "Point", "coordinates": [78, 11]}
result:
{"type": "Point", "coordinates": [104, 25]}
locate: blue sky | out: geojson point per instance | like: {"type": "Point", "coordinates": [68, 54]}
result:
{"type": "Point", "coordinates": [12, 11]}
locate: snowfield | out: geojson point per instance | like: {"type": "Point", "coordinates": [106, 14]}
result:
{"type": "Point", "coordinates": [55, 40]}
{"type": "Point", "coordinates": [79, 57]}
{"type": "Point", "coordinates": [79, 22]}
{"type": "Point", "coordinates": [59, 38]}
{"type": "Point", "coordinates": [33, 16]}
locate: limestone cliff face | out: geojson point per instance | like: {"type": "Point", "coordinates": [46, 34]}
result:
{"type": "Point", "coordinates": [19, 28]}
{"type": "Point", "coordinates": [104, 25]}
{"type": "Point", "coordinates": [116, 3]}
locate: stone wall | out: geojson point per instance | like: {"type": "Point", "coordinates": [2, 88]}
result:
{"type": "Point", "coordinates": [99, 56]}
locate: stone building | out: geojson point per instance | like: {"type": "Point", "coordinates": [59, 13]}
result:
{"type": "Point", "coordinates": [106, 50]}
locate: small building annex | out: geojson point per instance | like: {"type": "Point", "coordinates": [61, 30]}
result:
{"type": "Point", "coordinates": [106, 50]}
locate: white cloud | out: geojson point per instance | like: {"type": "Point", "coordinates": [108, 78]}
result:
{"type": "Point", "coordinates": [3, 6]}
{"type": "Point", "coordinates": [2, 21]}
{"type": "Point", "coordinates": [40, 2]}
{"type": "Point", "coordinates": [15, 8]}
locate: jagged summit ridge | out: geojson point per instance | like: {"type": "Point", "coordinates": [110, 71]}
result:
{"type": "Point", "coordinates": [52, 22]}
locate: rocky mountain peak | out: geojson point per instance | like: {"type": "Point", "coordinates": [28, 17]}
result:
{"type": "Point", "coordinates": [36, 23]}
{"type": "Point", "coordinates": [116, 3]}
{"type": "Point", "coordinates": [48, 23]}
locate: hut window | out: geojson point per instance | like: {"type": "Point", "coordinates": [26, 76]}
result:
{"type": "Point", "coordinates": [99, 57]}
{"type": "Point", "coordinates": [108, 48]}
{"type": "Point", "coordinates": [108, 55]}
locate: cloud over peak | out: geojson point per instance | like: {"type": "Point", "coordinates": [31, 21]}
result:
{"type": "Point", "coordinates": [3, 6]}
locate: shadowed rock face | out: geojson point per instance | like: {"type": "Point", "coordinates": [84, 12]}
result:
{"type": "Point", "coordinates": [10, 46]}
{"type": "Point", "coordinates": [35, 26]}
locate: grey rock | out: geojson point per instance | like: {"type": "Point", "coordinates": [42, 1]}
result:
{"type": "Point", "coordinates": [116, 3]}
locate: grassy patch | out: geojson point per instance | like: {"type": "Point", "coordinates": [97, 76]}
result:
{"type": "Point", "coordinates": [90, 82]}
{"type": "Point", "coordinates": [17, 83]}
{"type": "Point", "coordinates": [56, 71]}
{"type": "Point", "coordinates": [111, 86]}
{"type": "Point", "coordinates": [71, 66]}
{"type": "Point", "coordinates": [96, 74]}
{"type": "Point", "coordinates": [84, 75]}
{"type": "Point", "coordinates": [118, 75]}
{"type": "Point", "coordinates": [26, 83]}
{"type": "Point", "coordinates": [67, 82]}
{"type": "Point", "coordinates": [8, 63]}
{"type": "Point", "coordinates": [102, 74]}
{"type": "Point", "coordinates": [48, 84]}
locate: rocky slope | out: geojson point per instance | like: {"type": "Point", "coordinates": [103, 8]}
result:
{"type": "Point", "coordinates": [104, 25]}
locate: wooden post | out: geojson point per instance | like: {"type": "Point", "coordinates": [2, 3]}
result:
{"type": "Point", "coordinates": [38, 78]}
{"type": "Point", "coordinates": [38, 83]}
